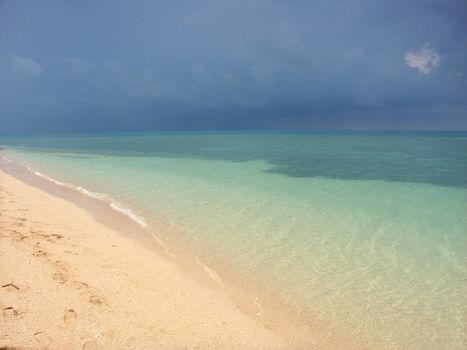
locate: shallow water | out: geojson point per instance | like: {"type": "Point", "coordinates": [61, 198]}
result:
{"type": "Point", "coordinates": [367, 230]}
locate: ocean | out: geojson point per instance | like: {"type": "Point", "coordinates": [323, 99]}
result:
{"type": "Point", "coordinates": [366, 232]}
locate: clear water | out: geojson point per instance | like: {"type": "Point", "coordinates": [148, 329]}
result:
{"type": "Point", "coordinates": [368, 230]}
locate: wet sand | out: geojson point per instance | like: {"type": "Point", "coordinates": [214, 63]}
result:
{"type": "Point", "coordinates": [68, 281]}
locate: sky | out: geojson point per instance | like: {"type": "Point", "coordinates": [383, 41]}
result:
{"type": "Point", "coordinates": [140, 65]}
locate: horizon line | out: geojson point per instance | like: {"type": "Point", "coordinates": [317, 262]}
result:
{"type": "Point", "coordinates": [252, 131]}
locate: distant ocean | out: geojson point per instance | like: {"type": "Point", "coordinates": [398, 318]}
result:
{"type": "Point", "coordinates": [366, 230]}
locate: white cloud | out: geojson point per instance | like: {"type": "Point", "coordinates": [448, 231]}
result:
{"type": "Point", "coordinates": [424, 60]}
{"type": "Point", "coordinates": [26, 65]}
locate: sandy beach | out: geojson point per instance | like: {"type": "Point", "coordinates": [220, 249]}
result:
{"type": "Point", "coordinates": [233, 175]}
{"type": "Point", "coordinates": [70, 282]}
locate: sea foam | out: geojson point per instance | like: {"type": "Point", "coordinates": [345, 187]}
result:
{"type": "Point", "coordinates": [128, 212]}
{"type": "Point", "coordinates": [115, 205]}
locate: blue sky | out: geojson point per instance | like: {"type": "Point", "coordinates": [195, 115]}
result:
{"type": "Point", "coordinates": [89, 66]}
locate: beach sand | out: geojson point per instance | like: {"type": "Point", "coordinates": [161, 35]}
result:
{"type": "Point", "coordinates": [69, 282]}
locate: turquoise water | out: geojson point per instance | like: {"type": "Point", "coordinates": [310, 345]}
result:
{"type": "Point", "coordinates": [367, 230]}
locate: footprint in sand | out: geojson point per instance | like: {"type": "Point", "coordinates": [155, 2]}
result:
{"type": "Point", "coordinates": [59, 263]}
{"type": "Point", "coordinates": [10, 287]}
{"type": "Point", "coordinates": [22, 237]}
{"type": "Point", "coordinates": [9, 312]}
{"type": "Point", "coordinates": [7, 347]}
{"type": "Point", "coordinates": [70, 316]}
{"type": "Point", "coordinates": [42, 340]}
{"type": "Point", "coordinates": [38, 252]}
{"type": "Point", "coordinates": [80, 285]}
{"type": "Point", "coordinates": [52, 237]}
{"type": "Point", "coordinates": [96, 300]}
{"type": "Point", "coordinates": [90, 345]}
{"type": "Point", "coordinates": [60, 277]}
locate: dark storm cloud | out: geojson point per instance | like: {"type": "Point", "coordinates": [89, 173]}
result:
{"type": "Point", "coordinates": [138, 65]}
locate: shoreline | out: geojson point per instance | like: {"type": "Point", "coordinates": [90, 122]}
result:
{"type": "Point", "coordinates": [70, 282]}
{"type": "Point", "coordinates": [123, 225]}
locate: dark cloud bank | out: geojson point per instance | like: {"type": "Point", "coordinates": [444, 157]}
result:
{"type": "Point", "coordinates": [86, 66]}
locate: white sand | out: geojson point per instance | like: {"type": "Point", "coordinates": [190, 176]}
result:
{"type": "Point", "coordinates": [68, 282]}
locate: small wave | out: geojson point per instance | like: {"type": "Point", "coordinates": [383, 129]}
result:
{"type": "Point", "coordinates": [210, 271]}
{"type": "Point", "coordinates": [260, 308]}
{"type": "Point", "coordinates": [128, 212]}
{"type": "Point", "coordinates": [6, 159]}
{"type": "Point", "coordinates": [100, 196]}
{"type": "Point", "coordinates": [47, 177]}
{"type": "Point", "coordinates": [92, 194]}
